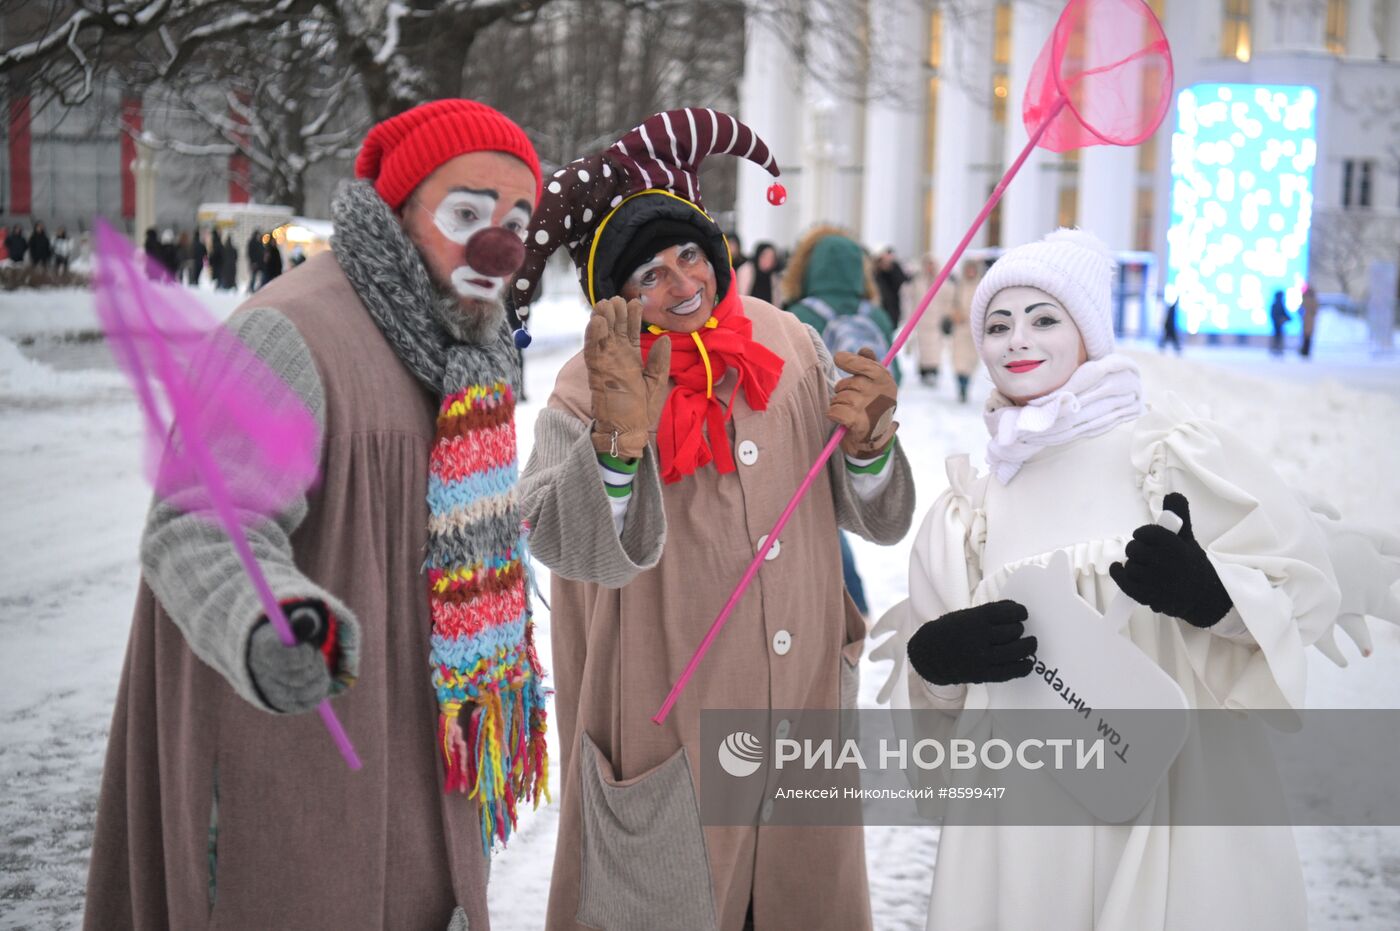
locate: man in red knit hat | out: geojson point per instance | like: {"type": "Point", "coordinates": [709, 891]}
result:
{"type": "Point", "coordinates": [224, 803]}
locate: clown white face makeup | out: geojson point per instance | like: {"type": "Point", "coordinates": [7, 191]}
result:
{"type": "Point", "coordinates": [1030, 343]}
{"type": "Point", "coordinates": [676, 287]}
{"type": "Point", "coordinates": [446, 217]}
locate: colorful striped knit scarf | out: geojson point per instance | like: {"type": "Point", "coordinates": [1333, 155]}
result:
{"type": "Point", "coordinates": [484, 666]}
{"type": "Point", "coordinates": [485, 669]}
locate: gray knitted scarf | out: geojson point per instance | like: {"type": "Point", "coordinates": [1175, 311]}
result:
{"type": "Point", "coordinates": [487, 677]}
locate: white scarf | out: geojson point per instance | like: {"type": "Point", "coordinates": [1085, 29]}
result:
{"type": "Point", "coordinates": [1100, 395]}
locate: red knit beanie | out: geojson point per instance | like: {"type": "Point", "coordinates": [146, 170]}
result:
{"type": "Point", "coordinates": [400, 152]}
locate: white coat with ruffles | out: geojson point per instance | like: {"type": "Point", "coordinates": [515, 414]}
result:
{"type": "Point", "coordinates": [1086, 498]}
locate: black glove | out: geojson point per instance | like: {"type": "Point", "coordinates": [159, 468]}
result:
{"type": "Point", "coordinates": [292, 679]}
{"type": "Point", "coordinates": [1170, 573]}
{"type": "Point", "coordinates": [980, 644]}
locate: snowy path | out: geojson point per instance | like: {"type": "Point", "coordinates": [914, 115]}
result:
{"type": "Point", "coordinates": [73, 499]}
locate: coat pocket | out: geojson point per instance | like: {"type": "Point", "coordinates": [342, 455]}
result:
{"type": "Point", "coordinates": [643, 865]}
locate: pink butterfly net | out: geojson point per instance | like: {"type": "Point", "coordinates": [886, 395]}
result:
{"type": "Point", "coordinates": [1109, 61]}
{"type": "Point", "coordinates": [1104, 77]}
{"type": "Point", "coordinates": [227, 440]}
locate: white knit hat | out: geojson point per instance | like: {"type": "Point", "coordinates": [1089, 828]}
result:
{"type": "Point", "coordinates": [1070, 265]}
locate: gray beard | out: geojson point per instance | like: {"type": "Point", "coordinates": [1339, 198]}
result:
{"type": "Point", "coordinates": [470, 320]}
{"type": "Point", "coordinates": [474, 321]}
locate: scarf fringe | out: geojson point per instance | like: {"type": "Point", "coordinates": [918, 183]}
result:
{"type": "Point", "coordinates": [506, 761]}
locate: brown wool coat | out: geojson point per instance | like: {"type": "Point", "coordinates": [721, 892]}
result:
{"type": "Point", "coordinates": [302, 842]}
{"type": "Point", "coordinates": [631, 852]}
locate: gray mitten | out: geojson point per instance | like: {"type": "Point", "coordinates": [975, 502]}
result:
{"type": "Point", "coordinates": [292, 679]}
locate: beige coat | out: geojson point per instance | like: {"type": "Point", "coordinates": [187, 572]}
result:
{"type": "Point", "coordinates": [928, 335]}
{"type": "Point", "coordinates": [301, 841]}
{"type": "Point", "coordinates": [964, 350]}
{"type": "Point", "coordinates": [626, 616]}
{"type": "Point", "coordinates": [952, 302]}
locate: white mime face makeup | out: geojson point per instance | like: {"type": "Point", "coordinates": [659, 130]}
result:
{"type": "Point", "coordinates": [676, 288]}
{"type": "Point", "coordinates": [468, 196]}
{"type": "Point", "coordinates": [1030, 343]}
{"type": "Point", "coordinates": [463, 213]}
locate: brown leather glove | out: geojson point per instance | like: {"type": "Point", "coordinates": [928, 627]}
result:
{"type": "Point", "coordinates": [864, 404]}
{"type": "Point", "coordinates": [627, 396]}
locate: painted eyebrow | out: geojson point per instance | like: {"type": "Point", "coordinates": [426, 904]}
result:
{"type": "Point", "coordinates": [645, 267]}
{"type": "Point", "coordinates": [488, 192]}
{"type": "Point", "coordinates": [1027, 310]}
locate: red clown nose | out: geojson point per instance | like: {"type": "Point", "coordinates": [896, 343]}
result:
{"type": "Point", "coordinates": [495, 252]}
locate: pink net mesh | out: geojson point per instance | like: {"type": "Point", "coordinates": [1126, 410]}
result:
{"type": "Point", "coordinates": [209, 401]}
{"type": "Point", "coordinates": [1109, 60]}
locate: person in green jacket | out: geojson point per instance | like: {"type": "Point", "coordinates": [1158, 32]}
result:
{"type": "Point", "coordinates": [828, 286]}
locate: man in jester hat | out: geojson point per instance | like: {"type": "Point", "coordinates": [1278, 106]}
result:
{"type": "Point", "coordinates": [223, 803]}
{"type": "Point", "coordinates": [668, 449]}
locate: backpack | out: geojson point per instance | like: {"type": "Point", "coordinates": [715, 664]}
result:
{"type": "Point", "coordinates": [852, 332]}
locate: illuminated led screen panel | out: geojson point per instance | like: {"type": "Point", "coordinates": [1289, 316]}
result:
{"type": "Point", "coordinates": [1242, 163]}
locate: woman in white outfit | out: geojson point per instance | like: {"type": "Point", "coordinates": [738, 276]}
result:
{"type": "Point", "coordinates": [1079, 464]}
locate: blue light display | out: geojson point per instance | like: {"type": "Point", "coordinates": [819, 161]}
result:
{"type": "Point", "coordinates": [1242, 162]}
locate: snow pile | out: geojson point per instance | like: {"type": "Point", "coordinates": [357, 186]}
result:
{"type": "Point", "coordinates": [68, 312]}
{"type": "Point", "coordinates": [23, 379]}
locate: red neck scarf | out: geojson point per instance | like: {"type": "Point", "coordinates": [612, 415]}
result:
{"type": "Point", "coordinates": [697, 365]}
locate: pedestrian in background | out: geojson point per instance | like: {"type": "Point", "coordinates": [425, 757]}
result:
{"type": "Point", "coordinates": [936, 324]}
{"type": "Point", "coordinates": [965, 359]}
{"type": "Point", "coordinates": [1278, 316]}
{"type": "Point", "coordinates": [255, 261]}
{"type": "Point", "coordinates": [890, 277]}
{"type": "Point", "coordinates": [1309, 320]}
{"type": "Point", "coordinates": [16, 245]}
{"type": "Point", "coordinates": [184, 256]}
{"type": "Point", "coordinates": [228, 267]}
{"type": "Point", "coordinates": [761, 275]}
{"type": "Point", "coordinates": [151, 247]}
{"type": "Point", "coordinates": [168, 255]}
{"type": "Point", "coordinates": [272, 260]}
{"type": "Point", "coordinates": [62, 250]}
{"type": "Point", "coordinates": [1169, 332]}
{"type": "Point", "coordinates": [40, 249]}
{"type": "Point", "coordinates": [216, 259]}
{"type": "Point", "coordinates": [198, 254]}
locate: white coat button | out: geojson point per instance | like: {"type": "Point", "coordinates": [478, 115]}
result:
{"type": "Point", "coordinates": [773, 553]}
{"type": "Point", "coordinates": [782, 642]}
{"type": "Point", "coordinates": [767, 812]}
{"type": "Point", "coordinates": [748, 452]}
{"type": "Point", "coordinates": [784, 728]}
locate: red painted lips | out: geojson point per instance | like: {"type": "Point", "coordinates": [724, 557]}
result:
{"type": "Point", "coordinates": [1021, 368]}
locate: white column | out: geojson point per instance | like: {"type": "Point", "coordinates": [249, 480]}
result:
{"type": "Point", "coordinates": [1365, 28]}
{"type": "Point", "coordinates": [833, 122]}
{"type": "Point", "coordinates": [770, 96]}
{"type": "Point", "coordinates": [833, 149]}
{"type": "Point", "coordinates": [1108, 193]}
{"type": "Point", "coordinates": [892, 207]}
{"type": "Point", "coordinates": [1028, 208]}
{"type": "Point", "coordinates": [964, 160]}
{"type": "Point", "coordinates": [1107, 183]}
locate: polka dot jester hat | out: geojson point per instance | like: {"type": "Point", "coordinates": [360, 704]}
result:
{"type": "Point", "coordinates": [596, 205]}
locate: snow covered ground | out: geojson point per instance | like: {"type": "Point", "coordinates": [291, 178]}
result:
{"type": "Point", "coordinates": [73, 497]}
